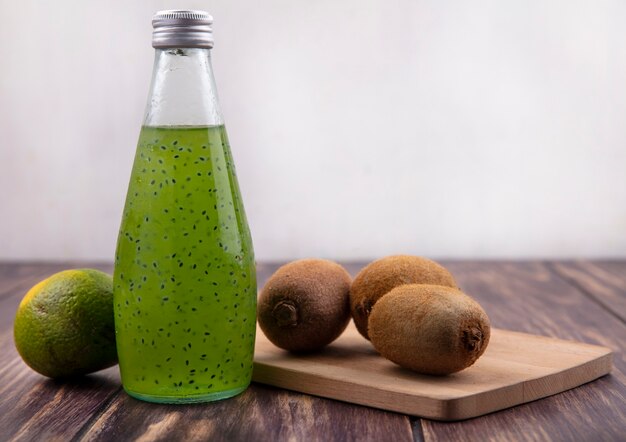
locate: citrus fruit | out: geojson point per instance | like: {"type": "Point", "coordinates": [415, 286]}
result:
{"type": "Point", "coordinates": [64, 326]}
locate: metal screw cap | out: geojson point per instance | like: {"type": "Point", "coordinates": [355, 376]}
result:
{"type": "Point", "coordinates": [182, 29]}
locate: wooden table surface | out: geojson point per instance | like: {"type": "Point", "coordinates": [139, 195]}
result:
{"type": "Point", "coordinates": [581, 300]}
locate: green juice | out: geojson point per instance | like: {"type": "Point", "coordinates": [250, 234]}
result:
{"type": "Point", "coordinates": [184, 280]}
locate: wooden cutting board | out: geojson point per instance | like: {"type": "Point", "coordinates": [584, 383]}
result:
{"type": "Point", "coordinates": [516, 368]}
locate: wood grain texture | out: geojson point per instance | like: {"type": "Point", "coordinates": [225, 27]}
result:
{"type": "Point", "coordinates": [261, 413]}
{"type": "Point", "coordinates": [618, 268]}
{"type": "Point", "coordinates": [516, 368]}
{"type": "Point", "coordinates": [529, 297]}
{"type": "Point", "coordinates": [605, 282]}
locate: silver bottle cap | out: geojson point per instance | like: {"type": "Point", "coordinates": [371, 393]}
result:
{"type": "Point", "coordinates": [182, 29]}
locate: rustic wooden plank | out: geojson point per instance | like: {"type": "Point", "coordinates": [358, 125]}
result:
{"type": "Point", "coordinates": [261, 413]}
{"type": "Point", "coordinates": [549, 419]}
{"type": "Point", "coordinates": [616, 266]}
{"type": "Point", "coordinates": [524, 297]}
{"type": "Point", "coordinates": [36, 408]}
{"type": "Point", "coordinates": [605, 282]}
{"type": "Point", "coordinates": [13, 278]}
{"type": "Point", "coordinates": [528, 297]}
{"type": "Point", "coordinates": [10, 270]}
{"type": "Point", "coordinates": [516, 368]}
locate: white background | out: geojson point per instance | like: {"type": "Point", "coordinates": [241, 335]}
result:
{"type": "Point", "coordinates": [359, 128]}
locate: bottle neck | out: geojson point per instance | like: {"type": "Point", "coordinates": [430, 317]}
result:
{"type": "Point", "coordinates": [183, 91]}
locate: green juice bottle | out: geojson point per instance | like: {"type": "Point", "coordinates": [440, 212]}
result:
{"type": "Point", "coordinates": [184, 279]}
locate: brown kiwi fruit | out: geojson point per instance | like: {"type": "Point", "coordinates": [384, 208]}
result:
{"type": "Point", "coordinates": [380, 276]}
{"type": "Point", "coordinates": [305, 304]}
{"type": "Point", "coordinates": [429, 329]}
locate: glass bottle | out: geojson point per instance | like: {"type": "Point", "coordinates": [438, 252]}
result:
{"type": "Point", "coordinates": [184, 279]}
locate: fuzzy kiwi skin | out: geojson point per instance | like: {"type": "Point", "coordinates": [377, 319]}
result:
{"type": "Point", "coordinates": [381, 276]}
{"type": "Point", "coordinates": [305, 305]}
{"type": "Point", "coordinates": [429, 329]}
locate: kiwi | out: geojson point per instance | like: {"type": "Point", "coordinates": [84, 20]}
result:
{"type": "Point", "coordinates": [429, 329]}
{"type": "Point", "coordinates": [305, 304]}
{"type": "Point", "coordinates": [380, 276]}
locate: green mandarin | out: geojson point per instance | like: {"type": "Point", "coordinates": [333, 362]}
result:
{"type": "Point", "coordinates": [184, 282]}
